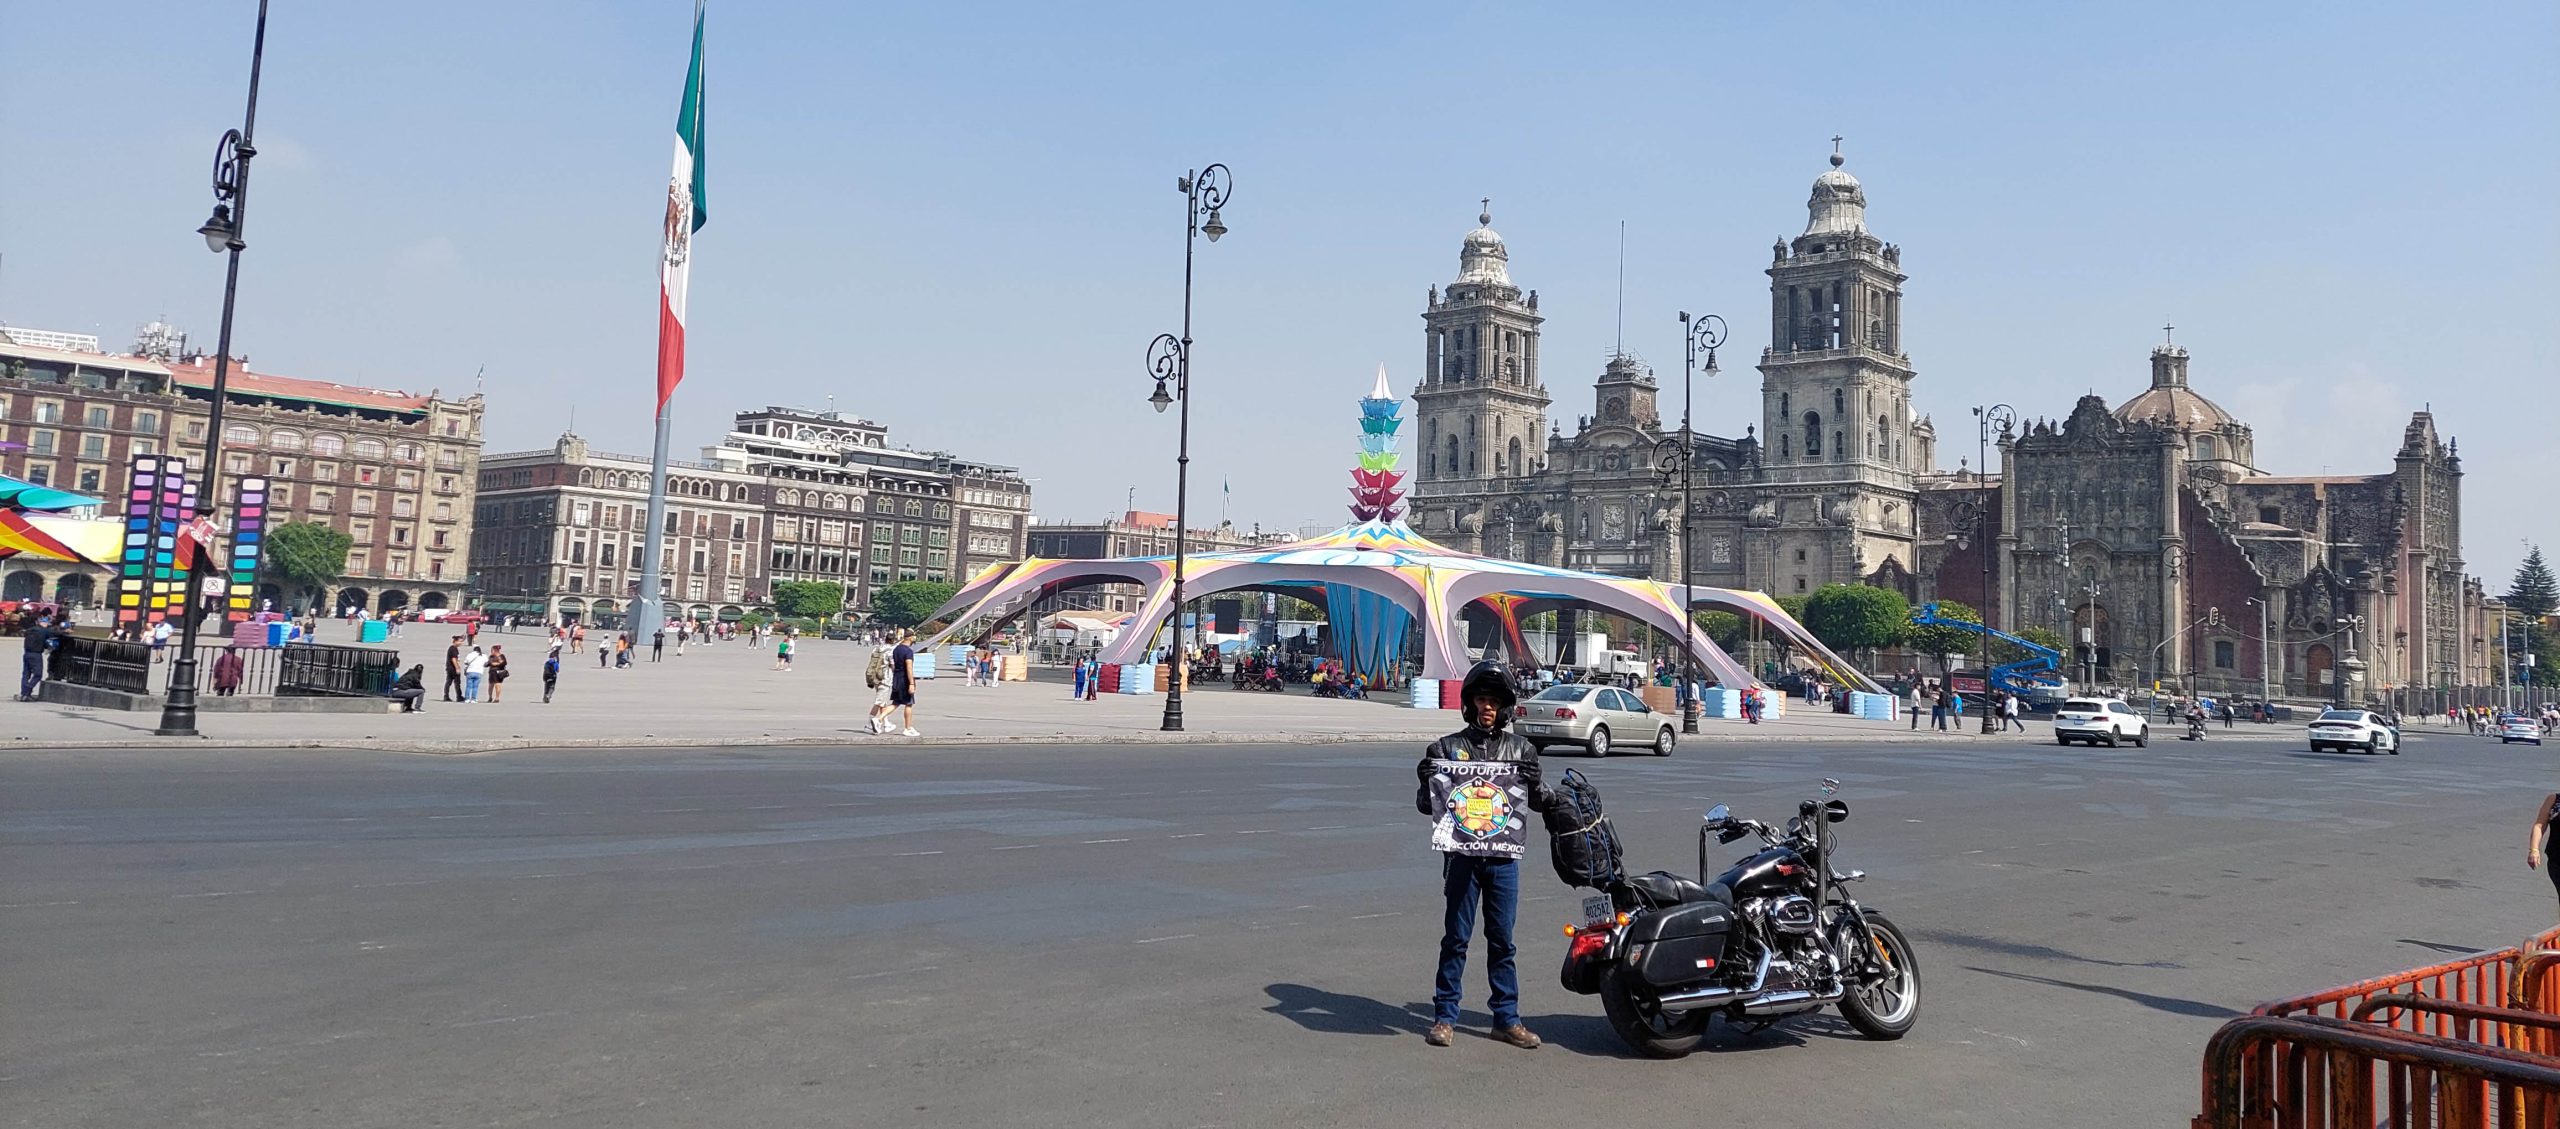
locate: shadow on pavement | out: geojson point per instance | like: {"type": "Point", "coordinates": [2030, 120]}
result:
{"type": "Point", "coordinates": [2447, 949]}
{"type": "Point", "coordinates": [2034, 952]}
{"type": "Point", "coordinates": [1333, 1013]}
{"type": "Point", "coordinates": [2170, 1004]}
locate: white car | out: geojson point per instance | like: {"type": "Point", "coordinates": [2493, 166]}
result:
{"type": "Point", "coordinates": [2100, 719]}
{"type": "Point", "coordinates": [2518, 729]}
{"type": "Point", "coordinates": [2353, 729]}
{"type": "Point", "coordinates": [1594, 717]}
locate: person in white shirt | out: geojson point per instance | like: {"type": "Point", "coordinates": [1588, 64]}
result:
{"type": "Point", "coordinates": [475, 667]}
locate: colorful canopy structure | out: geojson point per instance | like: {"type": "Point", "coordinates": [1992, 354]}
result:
{"type": "Point", "coordinates": [1376, 578]}
{"type": "Point", "coordinates": [92, 542]}
{"type": "Point", "coordinates": [18, 494]}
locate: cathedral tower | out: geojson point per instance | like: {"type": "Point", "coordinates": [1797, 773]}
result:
{"type": "Point", "coordinates": [1481, 409]}
{"type": "Point", "coordinates": [1835, 389]}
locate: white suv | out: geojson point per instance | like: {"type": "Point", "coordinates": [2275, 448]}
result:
{"type": "Point", "coordinates": [2100, 719]}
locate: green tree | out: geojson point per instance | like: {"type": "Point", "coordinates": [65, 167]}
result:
{"type": "Point", "coordinates": [1855, 617]}
{"type": "Point", "coordinates": [1944, 640]}
{"type": "Point", "coordinates": [808, 599]}
{"type": "Point", "coordinates": [1726, 628]}
{"type": "Point", "coordinates": [909, 602]}
{"type": "Point", "coordinates": [307, 554]}
{"type": "Point", "coordinates": [2534, 594]}
{"type": "Point", "coordinates": [2043, 637]}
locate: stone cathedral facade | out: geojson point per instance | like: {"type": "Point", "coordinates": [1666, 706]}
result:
{"type": "Point", "coordinates": [1820, 490]}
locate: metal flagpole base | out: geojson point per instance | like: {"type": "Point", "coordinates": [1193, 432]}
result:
{"type": "Point", "coordinates": [178, 714]}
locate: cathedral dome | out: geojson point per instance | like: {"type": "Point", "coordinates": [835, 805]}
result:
{"type": "Point", "coordinates": [1839, 203]}
{"type": "Point", "coordinates": [1482, 258]}
{"type": "Point", "coordinates": [2169, 402]}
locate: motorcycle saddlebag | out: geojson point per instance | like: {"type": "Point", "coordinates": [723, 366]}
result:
{"type": "Point", "coordinates": [1679, 946]}
{"type": "Point", "coordinates": [1579, 837]}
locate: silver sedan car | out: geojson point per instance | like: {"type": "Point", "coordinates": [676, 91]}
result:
{"type": "Point", "coordinates": [1594, 717]}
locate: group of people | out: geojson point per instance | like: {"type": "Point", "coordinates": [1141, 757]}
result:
{"type": "Point", "coordinates": [890, 674]}
{"type": "Point", "coordinates": [1947, 708]}
{"type": "Point", "coordinates": [2484, 720]}
{"type": "Point", "coordinates": [468, 669]}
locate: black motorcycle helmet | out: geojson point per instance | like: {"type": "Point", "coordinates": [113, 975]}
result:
{"type": "Point", "coordinates": [1487, 679]}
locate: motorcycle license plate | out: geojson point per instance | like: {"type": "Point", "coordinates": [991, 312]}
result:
{"type": "Point", "coordinates": [1596, 908]}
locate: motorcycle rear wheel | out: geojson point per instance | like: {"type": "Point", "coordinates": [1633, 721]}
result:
{"type": "Point", "coordinates": [1887, 1008]}
{"type": "Point", "coordinates": [1647, 1029]}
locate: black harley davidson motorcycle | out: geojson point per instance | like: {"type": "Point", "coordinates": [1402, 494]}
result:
{"type": "Point", "coordinates": [1775, 935]}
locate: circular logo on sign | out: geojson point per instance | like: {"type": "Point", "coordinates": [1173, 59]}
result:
{"type": "Point", "coordinates": [1479, 809]}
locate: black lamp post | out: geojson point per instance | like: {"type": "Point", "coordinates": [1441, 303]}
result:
{"type": "Point", "coordinates": [221, 234]}
{"type": "Point", "coordinates": [1169, 362]}
{"type": "Point", "coordinates": [1704, 334]}
{"type": "Point", "coordinates": [2007, 419]}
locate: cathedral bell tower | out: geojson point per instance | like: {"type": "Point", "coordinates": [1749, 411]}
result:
{"type": "Point", "coordinates": [1480, 409]}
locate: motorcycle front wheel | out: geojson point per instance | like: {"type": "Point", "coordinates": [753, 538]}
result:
{"type": "Point", "coordinates": [1887, 1007]}
{"type": "Point", "coordinates": [1651, 1031]}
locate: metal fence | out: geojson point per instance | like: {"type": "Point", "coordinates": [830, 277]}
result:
{"type": "Point", "coordinates": [109, 664]}
{"type": "Point", "coordinates": [320, 670]}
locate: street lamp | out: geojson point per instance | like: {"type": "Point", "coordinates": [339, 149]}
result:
{"type": "Point", "coordinates": [1984, 418]}
{"type": "Point", "coordinates": [1169, 363]}
{"type": "Point", "coordinates": [222, 236]}
{"type": "Point", "coordinates": [2350, 668]}
{"type": "Point", "coordinates": [1705, 334]}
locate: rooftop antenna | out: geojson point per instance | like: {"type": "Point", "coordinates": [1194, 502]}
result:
{"type": "Point", "coordinates": [1621, 348]}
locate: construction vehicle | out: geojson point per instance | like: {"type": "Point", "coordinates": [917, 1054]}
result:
{"type": "Point", "coordinates": [2035, 677]}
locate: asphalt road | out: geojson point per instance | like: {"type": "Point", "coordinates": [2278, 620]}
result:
{"type": "Point", "coordinates": [1150, 936]}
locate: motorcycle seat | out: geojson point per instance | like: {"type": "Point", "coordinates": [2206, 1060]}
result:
{"type": "Point", "coordinates": [1663, 888]}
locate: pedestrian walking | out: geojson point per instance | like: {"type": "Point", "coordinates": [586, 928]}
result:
{"type": "Point", "coordinates": [578, 640]}
{"type": "Point", "coordinates": [875, 675]}
{"type": "Point", "coordinates": [453, 670]}
{"type": "Point", "coordinates": [1093, 677]}
{"type": "Point", "coordinates": [604, 656]}
{"type": "Point", "coordinates": [1470, 881]}
{"type": "Point", "coordinates": [227, 668]}
{"type": "Point", "coordinates": [475, 669]}
{"type": "Point", "coordinates": [622, 651]}
{"type": "Point", "coordinates": [159, 639]}
{"type": "Point", "coordinates": [2538, 846]}
{"type": "Point", "coordinates": [41, 640]}
{"type": "Point", "coordinates": [497, 671]}
{"type": "Point", "coordinates": [2009, 713]}
{"type": "Point", "coordinates": [1915, 705]}
{"type": "Point", "coordinates": [550, 674]}
{"type": "Point", "coordinates": [658, 646]}
{"type": "Point", "coordinates": [1938, 709]}
{"type": "Point", "coordinates": [902, 680]}
{"type": "Point", "coordinates": [782, 653]}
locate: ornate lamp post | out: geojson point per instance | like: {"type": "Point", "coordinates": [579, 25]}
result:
{"type": "Point", "coordinates": [1169, 362]}
{"type": "Point", "coordinates": [1675, 456]}
{"type": "Point", "coordinates": [221, 234]}
{"type": "Point", "coordinates": [1984, 418]}
{"type": "Point", "coordinates": [2350, 668]}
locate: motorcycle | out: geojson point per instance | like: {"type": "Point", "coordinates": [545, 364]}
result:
{"type": "Point", "coordinates": [1776, 935]}
{"type": "Point", "coordinates": [2195, 729]}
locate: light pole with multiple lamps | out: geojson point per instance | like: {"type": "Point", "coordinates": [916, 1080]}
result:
{"type": "Point", "coordinates": [1169, 362]}
{"type": "Point", "coordinates": [1674, 458]}
{"type": "Point", "coordinates": [221, 234]}
{"type": "Point", "coordinates": [1984, 418]}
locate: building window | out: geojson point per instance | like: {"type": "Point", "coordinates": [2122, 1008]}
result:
{"type": "Point", "coordinates": [90, 477]}
{"type": "Point", "coordinates": [2224, 654]}
{"type": "Point", "coordinates": [147, 421]}
{"type": "Point", "coordinates": [325, 444]}
{"type": "Point", "coordinates": [361, 532]}
{"type": "Point", "coordinates": [604, 554]}
{"type": "Point", "coordinates": [577, 552]}
{"type": "Point", "coordinates": [41, 443]}
{"type": "Point", "coordinates": [48, 411]}
{"type": "Point", "coordinates": [701, 561]}
{"type": "Point", "coordinates": [324, 500]}
{"type": "Point", "coordinates": [404, 507]}
{"type": "Point", "coordinates": [440, 541]}
{"type": "Point", "coordinates": [581, 514]}
{"type": "Point", "coordinates": [236, 462]}
{"type": "Point", "coordinates": [364, 503]}
{"type": "Point", "coordinates": [2270, 515]}
{"type": "Point", "coordinates": [405, 452]}
{"type": "Point", "coordinates": [99, 415]}
{"type": "Point", "coordinates": [93, 446]}
{"type": "Point", "coordinates": [364, 474]}
{"type": "Point", "coordinates": [435, 569]}
{"type": "Point", "coordinates": [40, 475]}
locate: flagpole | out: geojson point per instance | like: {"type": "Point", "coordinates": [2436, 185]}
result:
{"type": "Point", "coordinates": [648, 612]}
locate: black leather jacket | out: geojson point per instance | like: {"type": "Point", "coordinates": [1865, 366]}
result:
{"type": "Point", "coordinates": [1473, 744]}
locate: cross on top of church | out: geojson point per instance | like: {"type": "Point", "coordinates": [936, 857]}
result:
{"type": "Point", "coordinates": [1485, 218]}
{"type": "Point", "coordinates": [2170, 333]}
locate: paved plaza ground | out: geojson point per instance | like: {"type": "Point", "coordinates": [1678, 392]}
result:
{"type": "Point", "coordinates": [730, 694]}
{"type": "Point", "coordinates": [1119, 934]}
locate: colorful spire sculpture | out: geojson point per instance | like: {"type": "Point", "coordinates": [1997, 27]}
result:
{"type": "Point", "coordinates": [1374, 483]}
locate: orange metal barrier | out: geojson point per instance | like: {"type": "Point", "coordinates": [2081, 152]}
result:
{"type": "Point", "coordinates": [2316, 1072]}
{"type": "Point", "coordinates": [2310, 1062]}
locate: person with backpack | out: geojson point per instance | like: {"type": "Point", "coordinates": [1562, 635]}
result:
{"type": "Point", "coordinates": [875, 675]}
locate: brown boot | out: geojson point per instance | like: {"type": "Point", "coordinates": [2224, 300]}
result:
{"type": "Point", "coordinates": [1440, 1035]}
{"type": "Point", "coordinates": [1518, 1036]}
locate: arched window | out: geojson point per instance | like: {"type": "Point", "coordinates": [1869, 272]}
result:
{"type": "Point", "coordinates": [368, 448]}
{"type": "Point", "coordinates": [406, 452]}
{"type": "Point", "coordinates": [2204, 447]}
{"type": "Point", "coordinates": [1839, 403]}
{"type": "Point", "coordinates": [1471, 460]}
{"type": "Point", "coordinates": [327, 444]}
{"type": "Point", "coordinates": [1784, 410]}
{"type": "Point", "coordinates": [1812, 435]}
{"type": "Point", "coordinates": [1839, 450]}
{"type": "Point", "coordinates": [285, 439]}
{"type": "Point", "coordinates": [1518, 467]}
{"type": "Point", "coordinates": [1785, 450]}
{"type": "Point", "coordinates": [1453, 454]}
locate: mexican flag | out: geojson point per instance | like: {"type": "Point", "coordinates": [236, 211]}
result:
{"type": "Point", "coordinates": [685, 215]}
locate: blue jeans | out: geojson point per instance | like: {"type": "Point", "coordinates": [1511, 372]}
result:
{"type": "Point", "coordinates": [470, 687]}
{"type": "Point", "coordinates": [32, 673]}
{"type": "Point", "coordinates": [1465, 881]}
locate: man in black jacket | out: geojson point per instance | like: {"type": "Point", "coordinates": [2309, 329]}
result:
{"type": "Point", "coordinates": [1486, 699]}
{"type": "Point", "coordinates": [453, 670]}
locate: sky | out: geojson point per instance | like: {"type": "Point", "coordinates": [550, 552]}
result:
{"type": "Point", "coordinates": [961, 219]}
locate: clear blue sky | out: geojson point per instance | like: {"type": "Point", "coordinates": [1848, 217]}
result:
{"type": "Point", "coordinates": [961, 219]}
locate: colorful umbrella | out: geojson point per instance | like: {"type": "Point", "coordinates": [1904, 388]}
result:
{"type": "Point", "coordinates": [16, 494]}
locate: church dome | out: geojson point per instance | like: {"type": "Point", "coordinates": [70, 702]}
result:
{"type": "Point", "coordinates": [1839, 203]}
{"type": "Point", "coordinates": [2169, 402]}
{"type": "Point", "coordinates": [1482, 258]}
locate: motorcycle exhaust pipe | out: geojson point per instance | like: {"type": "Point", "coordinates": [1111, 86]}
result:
{"type": "Point", "coordinates": [1777, 1003]}
{"type": "Point", "coordinates": [1712, 997]}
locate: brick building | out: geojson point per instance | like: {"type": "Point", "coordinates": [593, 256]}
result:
{"type": "Point", "coordinates": [562, 530]}
{"type": "Point", "coordinates": [390, 469]}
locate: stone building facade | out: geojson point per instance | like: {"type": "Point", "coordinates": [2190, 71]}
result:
{"type": "Point", "coordinates": [562, 531]}
{"type": "Point", "coordinates": [1820, 490]}
{"type": "Point", "coordinates": [392, 470]}
{"type": "Point", "coordinates": [2148, 538]}
{"type": "Point", "coordinates": [1136, 533]}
